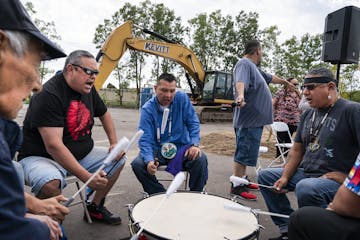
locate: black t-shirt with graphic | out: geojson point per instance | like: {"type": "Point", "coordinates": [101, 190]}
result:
{"type": "Point", "coordinates": [339, 139]}
{"type": "Point", "coordinates": [57, 105]}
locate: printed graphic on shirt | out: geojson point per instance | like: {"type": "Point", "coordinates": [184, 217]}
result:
{"type": "Point", "coordinates": [353, 180]}
{"type": "Point", "coordinates": [78, 119]}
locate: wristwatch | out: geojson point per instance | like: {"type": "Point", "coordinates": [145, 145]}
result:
{"type": "Point", "coordinates": [195, 145]}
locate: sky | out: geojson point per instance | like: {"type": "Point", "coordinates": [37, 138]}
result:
{"type": "Point", "coordinates": [76, 20]}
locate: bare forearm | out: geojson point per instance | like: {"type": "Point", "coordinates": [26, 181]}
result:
{"type": "Point", "coordinates": [32, 203]}
{"type": "Point", "coordinates": [109, 127]}
{"type": "Point", "coordinates": [346, 203]}
{"type": "Point", "coordinates": [277, 80]}
{"type": "Point", "coordinates": [240, 88]}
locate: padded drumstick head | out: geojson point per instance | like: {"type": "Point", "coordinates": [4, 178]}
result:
{"type": "Point", "coordinates": [120, 146]}
{"type": "Point", "coordinates": [134, 139]}
{"type": "Point", "coordinates": [238, 180]}
{"type": "Point", "coordinates": [164, 120]}
{"type": "Point", "coordinates": [237, 207]}
{"type": "Point", "coordinates": [176, 183]}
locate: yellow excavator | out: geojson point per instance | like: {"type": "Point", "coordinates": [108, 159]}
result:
{"type": "Point", "coordinates": [211, 91]}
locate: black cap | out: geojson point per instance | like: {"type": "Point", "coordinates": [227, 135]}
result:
{"type": "Point", "coordinates": [13, 16]}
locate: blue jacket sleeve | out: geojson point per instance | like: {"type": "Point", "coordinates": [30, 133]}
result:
{"type": "Point", "coordinates": [148, 140]}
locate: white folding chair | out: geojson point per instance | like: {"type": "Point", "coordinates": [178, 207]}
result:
{"type": "Point", "coordinates": [284, 148]}
{"type": "Point", "coordinates": [262, 149]}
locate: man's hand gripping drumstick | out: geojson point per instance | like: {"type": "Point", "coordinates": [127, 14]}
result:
{"type": "Point", "coordinates": [120, 146]}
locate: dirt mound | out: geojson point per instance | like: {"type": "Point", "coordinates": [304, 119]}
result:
{"type": "Point", "coordinates": [223, 143]}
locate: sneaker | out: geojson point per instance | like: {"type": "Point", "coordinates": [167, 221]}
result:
{"type": "Point", "coordinates": [252, 186]}
{"type": "Point", "coordinates": [240, 191]}
{"type": "Point", "coordinates": [101, 214]}
{"type": "Point", "coordinates": [284, 236]}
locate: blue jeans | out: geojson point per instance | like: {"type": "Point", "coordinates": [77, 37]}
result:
{"type": "Point", "coordinates": [317, 192]}
{"type": "Point", "coordinates": [197, 168]}
{"type": "Point", "coordinates": [247, 145]}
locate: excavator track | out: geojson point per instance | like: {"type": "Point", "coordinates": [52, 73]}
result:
{"type": "Point", "coordinates": [214, 113]}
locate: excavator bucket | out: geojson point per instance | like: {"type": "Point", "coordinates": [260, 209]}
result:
{"type": "Point", "coordinates": [111, 52]}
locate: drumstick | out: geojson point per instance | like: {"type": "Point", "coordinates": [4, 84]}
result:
{"type": "Point", "coordinates": [120, 146]}
{"type": "Point", "coordinates": [175, 184]}
{"type": "Point", "coordinates": [164, 120]}
{"type": "Point", "coordinates": [133, 140]}
{"type": "Point", "coordinates": [239, 207]}
{"type": "Point", "coordinates": [242, 181]}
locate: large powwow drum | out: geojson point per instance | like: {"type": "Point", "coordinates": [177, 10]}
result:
{"type": "Point", "coordinates": [189, 216]}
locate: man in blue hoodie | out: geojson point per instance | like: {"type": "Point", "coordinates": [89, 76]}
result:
{"type": "Point", "coordinates": [172, 140]}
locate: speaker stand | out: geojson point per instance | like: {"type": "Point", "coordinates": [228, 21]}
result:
{"type": "Point", "coordinates": [338, 71]}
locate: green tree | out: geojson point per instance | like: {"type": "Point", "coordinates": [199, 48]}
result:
{"type": "Point", "coordinates": [349, 82]}
{"type": "Point", "coordinates": [156, 17]}
{"type": "Point", "coordinates": [49, 30]}
{"type": "Point", "coordinates": [295, 57]}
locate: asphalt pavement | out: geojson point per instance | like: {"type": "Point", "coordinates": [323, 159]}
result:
{"type": "Point", "coordinates": [127, 191]}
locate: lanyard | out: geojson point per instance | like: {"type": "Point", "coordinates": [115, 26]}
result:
{"type": "Point", "coordinates": [158, 133]}
{"type": "Point", "coordinates": [313, 135]}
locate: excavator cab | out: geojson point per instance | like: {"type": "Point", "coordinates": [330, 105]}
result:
{"type": "Point", "coordinates": [218, 88]}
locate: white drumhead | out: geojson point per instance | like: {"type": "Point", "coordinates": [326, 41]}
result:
{"type": "Point", "coordinates": [187, 215]}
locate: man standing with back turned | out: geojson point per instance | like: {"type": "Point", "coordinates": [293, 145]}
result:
{"type": "Point", "coordinates": [254, 110]}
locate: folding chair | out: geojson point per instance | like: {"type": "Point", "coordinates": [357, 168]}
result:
{"type": "Point", "coordinates": [73, 179]}
{"type": "Point", "coordinates": [262, 149]}
{"type": "Point", "coordinates": [168, 179]}
{"type": "Point", "coordinates": [284, 148]}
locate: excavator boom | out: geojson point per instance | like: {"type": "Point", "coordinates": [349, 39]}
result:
{"type": "Point", "coordinates": [121, 39]}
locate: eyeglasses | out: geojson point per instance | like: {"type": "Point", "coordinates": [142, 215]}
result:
{"type": "Point", "coordinates": [87, 70]}
{"type": "Point", "coordinates": [310, 86]}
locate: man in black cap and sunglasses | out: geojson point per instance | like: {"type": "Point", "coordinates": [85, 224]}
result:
{"type": "Point", "coordinates": [325, 148]}
{"type": "Point", "coordinates": [58, 136]}
{"type": "Point", "coordinates": [22, 48]}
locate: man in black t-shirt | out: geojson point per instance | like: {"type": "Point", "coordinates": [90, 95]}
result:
{"type": "Point", "coordinates": [326, 145]}
{"type": "Point", "coordinates": [57, 135]}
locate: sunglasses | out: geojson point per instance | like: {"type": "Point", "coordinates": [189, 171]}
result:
{"type": "Point", "coordinates": [311, 86]}
{"type": "Point", "coordinates": [87, 71]}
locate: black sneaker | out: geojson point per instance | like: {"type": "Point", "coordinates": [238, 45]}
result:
{"type": "Point", "coordinates": [284, 236]}
{"type": "Point", "coordinates": [101, 214]}
{"type": "Point", "coordinates": [240, 191]}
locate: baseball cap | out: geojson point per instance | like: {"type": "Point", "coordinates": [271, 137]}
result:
{"type": "Point", "coordinates": [13, 16]}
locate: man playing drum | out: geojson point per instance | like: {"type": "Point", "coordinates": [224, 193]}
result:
{"type": "Point", "coordinates": [171, 137]}
{"type": "Point", "coordinates": [326, 145]}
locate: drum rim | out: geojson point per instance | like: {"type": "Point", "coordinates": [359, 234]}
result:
{"type": "Point", "coordinates": [255, 233]}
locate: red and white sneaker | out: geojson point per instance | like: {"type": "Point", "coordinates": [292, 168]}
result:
{"type": "Point", "coordinates": [251, 186]}
{"type": "Point", "coordinates": [240, 191]}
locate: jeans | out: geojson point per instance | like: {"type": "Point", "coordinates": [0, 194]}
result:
{"type": "Point", "coordinates": [197, 168]}
{"type": "Point", "coordinates": [317, 192]}
{"type": "Point", "coordinates": [247, 145]}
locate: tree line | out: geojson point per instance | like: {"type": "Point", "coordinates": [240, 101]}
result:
{"type": "Point", "coordinates": [218, 41]}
